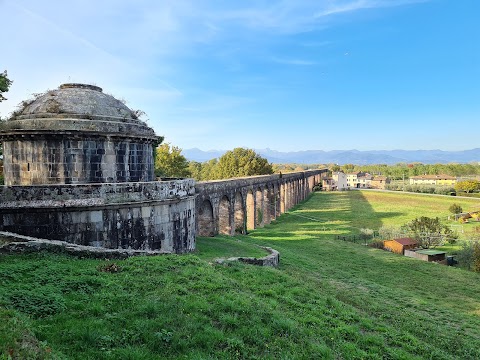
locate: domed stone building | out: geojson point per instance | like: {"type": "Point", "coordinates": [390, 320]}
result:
{"type": "Point", "coordinates": [79, 167]}
{"type": "Point", "coordinates": [77, 135]}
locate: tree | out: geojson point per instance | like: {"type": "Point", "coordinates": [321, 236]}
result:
{"type": "Point", "coordinates": [195, 170]}
{"type": "Point", "coordinates": [348, 168]}
{"type": "Point", "coordinates": [429, 232]}
{"type": "Point", "coordinates": [169, 162]}
{"type": "Point", "coordinates": [467, 186]}
{"type": "Point", "coordinates": [469, 255]}
{"type": "Point", "coordinates": [455, 209]}
{"type": "Point", "coordinates": [5, 83]}
{"type": "Point", "coordinates": [241, 162]}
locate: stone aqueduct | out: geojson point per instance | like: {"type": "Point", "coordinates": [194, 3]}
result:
{"type": "Point", "coordinates": [238, 205]}
{"type": "Point", "coordinates": [79, 168]}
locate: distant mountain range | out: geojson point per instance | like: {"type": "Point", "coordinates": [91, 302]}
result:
{"type": "Point", "coordinates": [342, 157]}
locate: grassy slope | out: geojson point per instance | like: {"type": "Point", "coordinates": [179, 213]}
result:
{"type": "Point", "coordinates": [328, 299]}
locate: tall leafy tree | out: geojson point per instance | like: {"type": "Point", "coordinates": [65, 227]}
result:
{"type": "Point", "coordinates": [169, 162]}
{"type": "Point", "coordinates": [195, 170]}
{"type": "Point", "coordinates": [209, 170]}
{"type": "Point", "coordinates": [429, 232]}
{"type": "Point", "coordinates": [5, 83]}
{"type": "Point", "coordinates": [241, 162]}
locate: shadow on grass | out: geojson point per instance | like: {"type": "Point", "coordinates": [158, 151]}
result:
{"type": "Point", "coordinates": [320, 218]}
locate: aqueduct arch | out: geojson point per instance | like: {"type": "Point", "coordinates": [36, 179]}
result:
{"type": "Point", "coordinates": [239, 214]}
{"type": "Point", "coordinates": [206, 224]}
{"type": "Point", "coordinates": [259, 208]}
{"type": "Point", "coordinates": [237, 205]}
{"type": "Point", "coordinates": [250, 210]}
{"type": "Point", "coordinates": [224, 222]}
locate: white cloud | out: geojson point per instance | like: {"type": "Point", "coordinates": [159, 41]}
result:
{"type": "Point", "coordinates": [339, 7]}
{"type": "Point", "coordinates": [139, 50]}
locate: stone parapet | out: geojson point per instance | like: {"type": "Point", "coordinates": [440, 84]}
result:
{"type": "Point", "coordinates": [75, 195]}
{"type": "Point", "coordinates": [80, 125]}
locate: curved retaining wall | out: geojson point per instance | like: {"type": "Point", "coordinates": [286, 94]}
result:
{"type": "Point", "coordinates": [140, 216]}
{"type": "Point", "coordinates": [273, 259]}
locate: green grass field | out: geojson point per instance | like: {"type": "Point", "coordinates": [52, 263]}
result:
{"type": "Point", "coordinates": [328, 299]}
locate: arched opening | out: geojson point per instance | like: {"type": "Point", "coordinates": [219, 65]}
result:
{"type": "Point", "coordinates": [239, 214]}
{"type": "Point", "coordinates": [259, 208]}
{"type": "Point", "coordinates": [288, 196]}
{"type": "Point", "coordinates": [311, 183]}
{"type": "Point", "coordinates": [250, 210]}
{"type": "Point", "coordinates": [282, 198]}
{"type": "Point", "coordinates": [295, 192]}
{"type": "Point", "coordinates": [272, 196]}
{"type": "Point", "coordinates": [206, 225]}
{"type": "Point", "coordinates": [224, 223]}
{"type": "Point", "coordinates": [266, 206]}
{"type": "Point", "coordinates": [276, 200]}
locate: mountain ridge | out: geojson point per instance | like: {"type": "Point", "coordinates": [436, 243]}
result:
{"type": "Point", "coordinates": [352, 156]}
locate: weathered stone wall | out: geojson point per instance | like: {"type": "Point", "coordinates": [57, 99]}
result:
{"type": "Point", "coordinates": [273, 259]}
{"type": "Point", "coordinates": [69, 160]}
{"type": "Point", "coordinates": [140, 216]}
{"type": "Point", "coordinates": [79, 168]}
{"type": "Point", "coordinates": [262, 199]}
{"type": "Point", "coordinates": [76, 134]}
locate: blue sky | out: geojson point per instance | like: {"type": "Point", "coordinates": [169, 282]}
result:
{"type": "Point", "coordinates": [288, 75]}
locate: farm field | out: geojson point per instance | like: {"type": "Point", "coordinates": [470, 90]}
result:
{"type": "Point", "coordinates": [329, 299]}
{"type": "Point", "coordinates": [373, 209]}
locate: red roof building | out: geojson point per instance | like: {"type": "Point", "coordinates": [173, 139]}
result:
{"type": "Point", "coordinates": [399, 246]}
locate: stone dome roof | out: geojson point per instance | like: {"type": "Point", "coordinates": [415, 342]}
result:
{"type": "Point", "coordinates": [78, 108]}
{"type": "Point", "coordinates": [77, 99]}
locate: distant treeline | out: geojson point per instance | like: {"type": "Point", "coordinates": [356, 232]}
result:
{"type": "Point", "coordinates": [210, 169]}
{"type": "Point", "coordinates": [400, 171]}
{"type": "Point", "coordinates": [395, 172]}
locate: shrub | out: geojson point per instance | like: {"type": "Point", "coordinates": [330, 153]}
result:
{"type": "Point", "coordinates": [455, 209]}
{"type": "Point", "coordinates": [377, 244]}
{"type": "Point", "coordinates": [390, 232]}
{"type": "Point", "coordinates": [469, 255]}
{"type": "Point", "coordinates": [429, 232]}
{"type": "Point", "coordinates": [444, 190]}
{"type": "Point", "coordinates": [476, 256]}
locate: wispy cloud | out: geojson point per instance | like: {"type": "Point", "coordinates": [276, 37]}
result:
{"type": "Point", "coordinates": [339, 7]}
{"type": "Point", "coordinates": [293, 16]}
